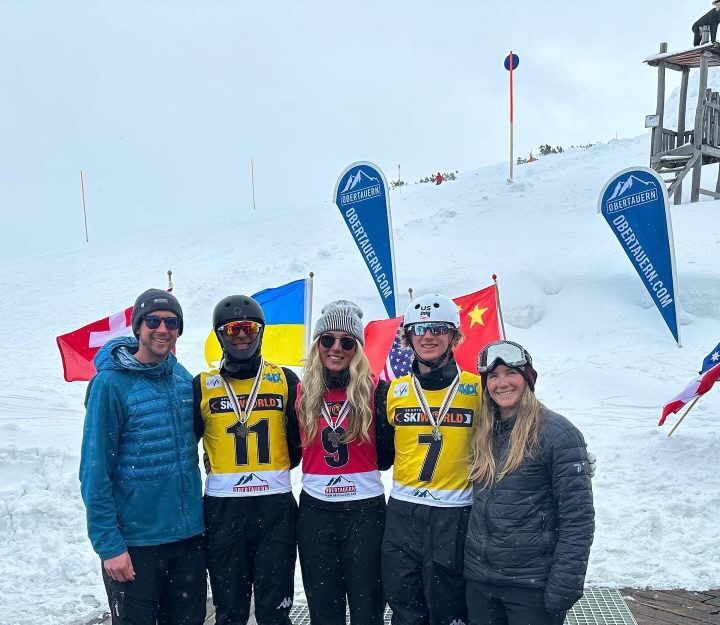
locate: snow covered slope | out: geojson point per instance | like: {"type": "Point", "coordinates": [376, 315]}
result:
{"type": "Point", "coordinates": [604, 356]}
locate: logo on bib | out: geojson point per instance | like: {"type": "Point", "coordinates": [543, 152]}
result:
{"type": "Point", "coordinates": [212, 381]}
{"type": "Point", "coordinates": [401, 390]}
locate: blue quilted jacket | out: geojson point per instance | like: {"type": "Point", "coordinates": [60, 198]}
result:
{"type": "Point", "coordinates": [139, 472]}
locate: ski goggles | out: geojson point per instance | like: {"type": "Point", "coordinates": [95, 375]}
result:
{"type": "Point", "coordinates": [234, 328]}
{"type": "Point", "coordinates": [348, 343]}
{"type": "Point", "coordinates": [436, 328]}
{"type": "Point", "coordinates": [506, 352]}
{"type": "Point", "coordinates": [153, 322]}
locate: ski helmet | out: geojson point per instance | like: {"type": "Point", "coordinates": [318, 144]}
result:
{"type": "Point", "coordinates": [429, 308]}
{"type": "Point", "coordinates": [432, 307]}
{"type": "Point", "coordinates": [238, 308]}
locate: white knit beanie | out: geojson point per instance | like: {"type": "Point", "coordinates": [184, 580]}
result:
{"type": "Point", "coordinates": [341, 316]}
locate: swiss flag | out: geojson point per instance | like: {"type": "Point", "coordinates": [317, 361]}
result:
{"type": "Point", "coordinates": [479, 323]}
{"type": "Point", "coordinates": [78, 348]}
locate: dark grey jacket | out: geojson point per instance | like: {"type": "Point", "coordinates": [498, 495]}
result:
{"type": "Point", "coordinates": [534, 527]}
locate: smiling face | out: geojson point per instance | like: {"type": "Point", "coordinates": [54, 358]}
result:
{"type": "Point", "coordinates": [505, 386]}
{"type": "Point", "coordinates": [336, 359]}
{"type": "Point", "coordinates": [154, 345]}
{"type": "Point", "coordinates": [430, 346]}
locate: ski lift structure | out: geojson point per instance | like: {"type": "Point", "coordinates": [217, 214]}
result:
{"type": "Point", "coordinates": [676, 153]}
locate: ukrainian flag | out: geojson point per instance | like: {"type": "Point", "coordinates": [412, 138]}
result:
{"type": "Point", "coordinates": [286, 307]}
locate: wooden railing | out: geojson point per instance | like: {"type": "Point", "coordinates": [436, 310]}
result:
{"type": "Point", "coordinates": [711, 119]}
{"type": "Point", "coordinates": [669, 139]}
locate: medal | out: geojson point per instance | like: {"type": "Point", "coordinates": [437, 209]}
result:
{"type": "Point", "coordinates": [444, 407]}
{"type": "Point", "coordinates": [244, 415]}
{"type": "Point", "coordinates": [334, 438]}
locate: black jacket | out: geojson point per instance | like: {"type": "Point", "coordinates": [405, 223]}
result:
{"type": "Point", "coordinates": [711, 19]}
{"type": "Point", "coordinates": [534, 527]}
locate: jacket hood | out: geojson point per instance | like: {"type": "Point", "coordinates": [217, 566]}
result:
{"type": "Point", "coordinates": [119, 354]}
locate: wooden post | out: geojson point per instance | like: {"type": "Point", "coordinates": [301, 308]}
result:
{"type": "Point", "coordinates": [660, 106]}
{"type": "Point", "coordinates": [698, 139]}
{"type": "Point", "coordinates": [497, 302]}
{"type": "Point", "coordinates": [681, 122]}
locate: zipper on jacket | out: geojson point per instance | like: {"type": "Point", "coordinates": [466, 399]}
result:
{"type": "Point", "coordinates": [178, 435]}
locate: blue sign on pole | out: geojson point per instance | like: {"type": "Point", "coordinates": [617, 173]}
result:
{"type": "Point", "coordinates": [515, 61]}
{"type": "Point", "coordinates": [635, 205]}
{"type": "Point", "coordinates": [362, 198]}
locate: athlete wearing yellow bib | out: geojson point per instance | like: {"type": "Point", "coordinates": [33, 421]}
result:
{"type": "Point", "coordinates": [430, 471]}
{"type": "Point", "coordinates": [246, 459]}
{"type": "Point", "coordinates": [433, 411]}
{"type": "Point", "coordinates": [245, 412]}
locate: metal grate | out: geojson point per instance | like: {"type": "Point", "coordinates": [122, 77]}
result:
{"type": "Point", "coordinates": [299, 615]}
{"type": "Point", "coordinates": [599, 606]}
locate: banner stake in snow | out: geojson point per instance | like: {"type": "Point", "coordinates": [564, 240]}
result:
{"type": "Point", "coordinates": [362, 198]}
{"type": "Point", "coordinates": [634, 203]}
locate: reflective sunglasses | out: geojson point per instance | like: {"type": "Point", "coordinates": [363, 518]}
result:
{"type": "Point", "coordinates": [153, 322]}
{"type": "Point", "coordinates": [436, 328]}
{"type": "Point", "coordinates": [509, 353]}
{"type": "Point", "coordinates": [234, 328]}
{"type": "Point", "coordinates": [348, 343]}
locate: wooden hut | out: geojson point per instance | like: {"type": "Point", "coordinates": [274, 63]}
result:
{"type": "Point", "coordinates": [678, 152]}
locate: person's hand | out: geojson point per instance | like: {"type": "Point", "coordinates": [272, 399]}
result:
{"type": "Point", "coordinates": [120, 568]}
{"type": "Point", "coordinates": [206, 462]}
{"type": "Point", "coordinates": [592, 461]}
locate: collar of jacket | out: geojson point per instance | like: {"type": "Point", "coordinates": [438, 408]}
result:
{"type": "Point", "coordinates": [436, 379]}
{"type": "Point", "coordinates": [241, 370]}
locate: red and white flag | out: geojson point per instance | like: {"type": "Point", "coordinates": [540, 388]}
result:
{"type": "Point", "coordinates": [78, 348]}
{"type": "Point", "coordinates": [699, 386]}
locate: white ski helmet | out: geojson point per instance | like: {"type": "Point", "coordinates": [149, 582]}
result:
{"type": "Point", "coordinates": [432, 307]}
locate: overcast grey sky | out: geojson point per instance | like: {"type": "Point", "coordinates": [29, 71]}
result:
{"type": "Point", "coordinates": [162, 103]}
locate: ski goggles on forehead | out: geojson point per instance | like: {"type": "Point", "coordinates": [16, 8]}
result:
{"type": "Point", "coordinates": [234, 328]}
{"type": "Point", "coordinates": [436, 328]}
{"type": "Point", "coordinates": [505, 352]}
{"type": "Point", "coordinates": [153, 322]}
{"type": "Point", "coordinates": [328, 340]}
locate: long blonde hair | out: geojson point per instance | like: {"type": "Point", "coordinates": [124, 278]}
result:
{"type": "Point", "coordinates": [360, 391]}
{"type": "Point", "coordinates": [523, 439]}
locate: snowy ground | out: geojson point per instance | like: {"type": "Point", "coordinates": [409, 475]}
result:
{"type": "Point", "coordinates": [604, 356]}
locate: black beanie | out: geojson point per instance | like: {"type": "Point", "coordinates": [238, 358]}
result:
{"type": "Point", "coordinates": [151, 301]}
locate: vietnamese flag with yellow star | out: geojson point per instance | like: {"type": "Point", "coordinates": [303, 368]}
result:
{"type": "Point", "coordinates": [479, 323]}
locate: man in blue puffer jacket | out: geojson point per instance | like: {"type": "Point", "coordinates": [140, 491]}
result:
{"type": "Point", "coordinates": [139, 472]}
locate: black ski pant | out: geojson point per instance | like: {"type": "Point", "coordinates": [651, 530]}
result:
{"type": "Point", "coordinates": [422, 563]}
{"type": "Point", "coordinates": [170, 586]}
{"type": "Point", "coordinates": [508, 605]}
{"type": "Point", "coordinates": [339, 546]}
{"type": "Point", "coordinates": [251, 547]}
